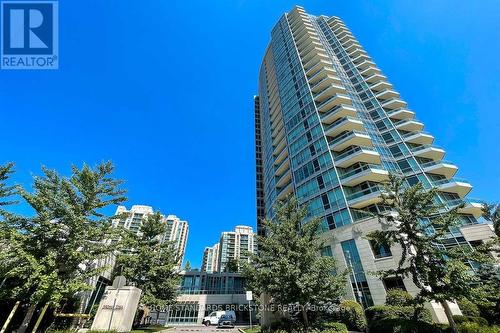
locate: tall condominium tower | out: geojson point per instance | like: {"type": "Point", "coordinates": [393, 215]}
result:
{"type": "Point", "coordinates": [330, 128]}
{"type": "Point", "coordinates": [236, 245]}
{"type": "Point", "coordinates": [210, 262]}
{"type": "Point", "coordinates": [176, 230]}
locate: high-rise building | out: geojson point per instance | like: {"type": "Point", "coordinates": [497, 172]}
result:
{"type": "Point", "coordinates": [210, 262]}
{"type": "Point", "coordinates": [329, 129]}
{"type": "Point", "coordinates": [176, 230]}
{"type": "Point", "coordinates": [235, 245]}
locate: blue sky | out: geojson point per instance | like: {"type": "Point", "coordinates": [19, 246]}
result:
{"type": "Point", "coordinates": [164, 89]}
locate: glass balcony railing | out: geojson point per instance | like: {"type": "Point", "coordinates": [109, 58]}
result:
{"type": "Point", "coordinates": [402, 121]}
{"type": "Point", "coordinates": [432, 163]}
{"type": "Point", "coordinates": [352, 151]}
{"type": "Point", "coordinates": [409, 134]}
{"type": "Point", "coordinates": [340, 121]}
{"type": "Point", "coordinates": [360, 169]}
{"type": "Point", "coordinates": [346, 136]}
{"type": "Point", "coordinates": [455, 202]}
{"type": "Point", "coordinates": [422, 147]}
{"type": "Point", "coordinates": [446, 181]}
{"type": "Point", "coordinates": [361, 193]}
{"type": "Point", "coordinates": [332, 98]}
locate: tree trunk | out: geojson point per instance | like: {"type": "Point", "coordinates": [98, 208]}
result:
{"type": "Point", "coordinates": [40, 317]}
{"type": "Point", "coordinates": [304, 316]}
{"type": "Point", "coordinates": [9, 318]}
{"type": "Point", "coordinates": [449, 315]}
{"type": "Point", "coordinates": [27, 319]}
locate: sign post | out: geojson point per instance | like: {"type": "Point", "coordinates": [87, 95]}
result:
{"type": "Point", "coordinates": [249, 299]}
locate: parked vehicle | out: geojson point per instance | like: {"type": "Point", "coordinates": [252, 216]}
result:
{"type": "Point", "coordinates": [226, 321]}
{"type": "Point", "coordinates": [213, 318]}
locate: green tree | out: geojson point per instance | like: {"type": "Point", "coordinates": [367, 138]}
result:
{"type": "Point", "coordinates": [289, 267]}
{"type": "Point", "coordinates": [59, 245]}
{"type": "Point", "coordinates": [232, 266]}
{"type": "Point", "coordinates": [187, 266]}
{"type": "Point", "coordinates": [491, 212]}
{"type": "Point", "coordinates": [151, 263]}
{"type": "Point", "coordinates": [418, 225]}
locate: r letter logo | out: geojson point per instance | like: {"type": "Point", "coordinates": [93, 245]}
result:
{"type": "Point", "coordinates": [29, 37]}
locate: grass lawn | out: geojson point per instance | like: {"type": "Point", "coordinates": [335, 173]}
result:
{"type": "Point", "coordinates": [149, 329]}
{"type": "Point", "coordinates": [255, 329]}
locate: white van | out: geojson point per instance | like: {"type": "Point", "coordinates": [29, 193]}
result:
{"type": "Point", "coordinates": [213, 318]}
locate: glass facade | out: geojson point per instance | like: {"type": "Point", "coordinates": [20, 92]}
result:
{"type": "Point", "coordinates": [331, 128]}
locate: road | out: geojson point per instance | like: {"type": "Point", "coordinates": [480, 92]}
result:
{"type": "Point", "coordinates": [202, 329]}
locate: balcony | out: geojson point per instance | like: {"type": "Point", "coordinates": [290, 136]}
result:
{"type": "Point", "coordinates": [283, 179]}
{"type": "Point", "coordinates": [282, 154]}
{"type": "Point", "coordinates": [380, 86]}
{"type": "Point", "coordinates": [348, 41]}
{"type": "Point", "coordinates": [280, 168]}
{"type": "Point", "coordinates": [356, 52]}
{"type": "Point", "coordinates": [320, 74]}
{"type": "Point", "coordinates": [336, 99]}
{"type": "Point", "coordinates": [365, 64]}
{"type": "Point", "coordinates": [279, 146]}
{"type": "Point", "coordinates": [375, 78]}
{"type": "Point", "coordinates": [351, 46]}
{"type": "Point", "coordinates": [428, 151]}
{"type": "Point", "coordinates": [364, 198]}
{"type": "Point", "coordinates": [387, 94]}
{"type": "Point", "coordinates": [370, 70]}
{"type": "Point", "coordinates": [343, 125]}
{"type": "Point", "coordinates": [366, 172]}
{"type": "Point", "coordinates": [444, 168]}
{"type": "Point", "coordinates": [453, 185]}
{"type": "Point", "coordinates": [360, 58]}
{"type": "Point", "coordinates": [473, 207]}
{"type": "Point", "coordinates": [284, 191]}
{"type": "Point", "coordinates": [352, 138]}
{"type": "Point", "coordinates": [338, 112]}
{"type": "Point", "coordinates": [313, 58]}
{"type": "Point", "coordinates": [357, 155]}
{"type": "Point", "coordinates": [320, 64]}
{"type": "Point", "coordinates": [402, 113]}
{"type": "Point", "coordinates": [421, 138]}
{"type": "Point", "coordinates": [328, 80]}
{"type": "Point", "coordinates": [328, 91]}
{"type": "Point", "coordinates": [410, 125]}
{"type": "Point", "coordinates": [394, 103]}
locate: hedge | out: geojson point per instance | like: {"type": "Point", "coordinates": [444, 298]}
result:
{"type": "Point", "coordinates": [470, 319]}
{"type": "Point", "coordinates": [476, 328]}
{"type": "Point", "coordinates": [334, 327]}
{"type": "Point", "coordinates": [380, 312]}
{"type": "Point", "coordinates": [398, 297]}
{"type": "Point", "coordinates": [351, 314]}
{"type": "Point", "coordinates": [406, 326]}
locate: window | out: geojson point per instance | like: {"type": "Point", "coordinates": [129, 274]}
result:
{"type": "Point", "coordinates": [393, 283]}
{"type": "Point", "coordinates": [327, 251]}
{"type": "Point", "coordinates": [380, 250]}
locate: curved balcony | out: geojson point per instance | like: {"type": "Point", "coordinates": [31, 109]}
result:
{"type": "Point", "coordinates": [370, 70]}
{"type": "Point", "coordinates": [360, 58]}
{"type": "Point", "coordinates": [402, 113]}
{"type": "Point", "coordinates": [282, 166]}
{"type": "Point", "coordinates": [380, 86]}
{"type": "Point", "coordinates": [358, 50]}
{"type": "Point", "coordinates": [393, 103]}
{"type": "Point", "coordinates": [279, 158]}
{"type": "Point", "coordinates": [444, 168]}
{"type": "Point", "coordinates": [282, 192]}
{"type": "Point", "coordinates": [421, 138]}
{"type": "Point", "coordinates": [387, 94]}
{"type": "Point", "coordinates": [313, 58]}
{"type": "Point", "coordinates": [471, 206]}
{"type": "Point", "coordinates": [335, 99]}
{"type": "Point", "coordinates": [328, 80]}
{"type": "Point", "coordinates": [284, 178]}
{"type": "Point", "coordinates": [375, 78]}
{"type": "Point", "coordinates": [337, 112]}
{"type": "Point", "coordinates": [320, 64]}
{"type": "Point", "coordinates": [329, 91]}
{"type": "Point", "coordinates": [428, 151]}
{"type": "Point", "coordinates": [357, 154]}
{"type": "Point", "coordinates": [411, 125]}
{"type": "Point", "coordinates": [343, 125]}
{"type": "Point", "coordinates": [352, 138]}
{"type": "Point", "coordinates": [351, 46]}
{"type": "Point", "coordinates": [453, 185]}
{"type": "Point", "coordinates": [364, 198]}
{"type": "Point", "coordinates": [366, 172]}
{"type": "Point", "coordinates": [365, 64]}
{"type": "Point", "coordinates": [314, 77]}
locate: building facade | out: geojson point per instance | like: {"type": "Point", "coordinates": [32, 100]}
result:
{"type": "Point", "coordinates": [236, 245]}
{"type": "Point", "coordinates": [330, 128]}
{"type": "Point", "coordinates": [176, 231]}
{"type": "Point", "coordinates": [210, 262]}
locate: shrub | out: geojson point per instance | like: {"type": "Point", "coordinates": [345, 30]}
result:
{"type": "Point", "coordinates": [351, 314]}
{"type": "Point", "coordinates": [406, 326]}
{"type": "Point", "coordinates": [470, 319]}
{"type": "Point", "coordinates": [468, 308]}
{"type": "Point", "coordinates": [334, 327]}
{"type": "Point", "coordinates": [380, 312]}
{"type": "Point", "coordinates": [476, 328]}
{"type": "Point", "coordinates": [398, 297]}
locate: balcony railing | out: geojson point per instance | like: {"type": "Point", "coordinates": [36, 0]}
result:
{"type": "Point", "coordinates": [447, 181]}
{"type": "Point", "coordinates": [360, 169]}
{"type": "Point", "coordinates": [361, 193]}
{"type": "Point", "coordinates": [422, 147]}
{"type": "Point", "coordinates": [352, 151]}
{"type": "Point", "coordinates": [345, 136]}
